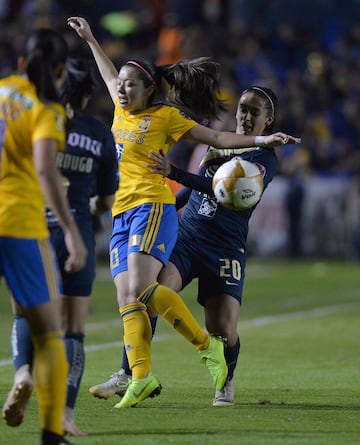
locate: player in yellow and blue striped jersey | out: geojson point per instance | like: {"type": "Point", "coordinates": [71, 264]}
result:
{"type": "Point", "coordinates": [32, 132]}
{"type": "Point", "coordinates": [145, 221]}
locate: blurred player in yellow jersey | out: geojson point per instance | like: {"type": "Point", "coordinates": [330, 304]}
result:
{"type": "Point", "coordinates": [31, 133]}
{"type": "Point", "coordinates": [145, 222]}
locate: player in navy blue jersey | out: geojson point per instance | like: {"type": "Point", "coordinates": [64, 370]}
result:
{"type": "Point", "coordinates": [89, 169]}
{"type": "Point", "coordinates": [211, 244]}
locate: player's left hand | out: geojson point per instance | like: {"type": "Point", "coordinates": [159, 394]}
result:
{"type": "Point", "coordinates": [279, 138]}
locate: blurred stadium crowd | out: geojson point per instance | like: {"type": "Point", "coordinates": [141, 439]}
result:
{"type": "Point", "coordinates": [307, 51]}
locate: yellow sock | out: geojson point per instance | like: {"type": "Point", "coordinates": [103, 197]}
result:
{"type": "Point", "coordinates": [170, 305]}
{"type": "Point", "coordinates": [50, 372]}
{"type": "Point", "coordinates": [137, 338]}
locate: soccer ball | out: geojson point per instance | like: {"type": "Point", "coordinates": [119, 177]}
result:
{"type": "Point", "coordinates": [238, 184]}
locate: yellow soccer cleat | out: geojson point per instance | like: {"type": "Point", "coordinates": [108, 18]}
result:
{"type": "Point", "coordinates": [213, 357]}
{"type": "Point", "coordinates": [139, 390]}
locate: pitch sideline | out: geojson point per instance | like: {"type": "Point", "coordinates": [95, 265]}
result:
{"type": "Point", "coordinates": [255, 322]}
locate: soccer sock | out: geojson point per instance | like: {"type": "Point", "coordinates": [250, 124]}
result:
{"type": "Point", "coordinates": [171, 307]}
{"type": "Point", "coordinates": [49, 438]}
{"type": "Point", "coordinates": [231, 356]}
{"type": "Point", "coordinates": [74, 343]}
{"type": "Point", "coordinates": [125, 362]}
{"type": "Point", "coordinates": [21, 343]}
{"type": "Point", "coordinates": [137, 338]}
{"type": "Point", "coordinates": [50, 371]}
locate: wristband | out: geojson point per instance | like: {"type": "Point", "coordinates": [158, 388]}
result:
{"type": "Point", "coordinates": [259, 140]}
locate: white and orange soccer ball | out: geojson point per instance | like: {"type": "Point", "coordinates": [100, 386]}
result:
{"type": "Point", "coordinates": [238, 184]}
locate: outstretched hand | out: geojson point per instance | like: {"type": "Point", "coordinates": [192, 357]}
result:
{"type": "Point", "coordinates": [162, 165]}
{"type": "Point", "coordinates": [276, 139]}
{"type": "Point", "coordinates": [81, 26]}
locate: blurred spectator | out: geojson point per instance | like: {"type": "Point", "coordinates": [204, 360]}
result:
{"type": "Point", "coordinates": [311, 60]}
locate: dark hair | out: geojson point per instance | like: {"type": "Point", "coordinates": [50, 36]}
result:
{"type": "Point", "coordinates": [149, 72]}
{"type": "Point", "coordinates": [45, 50]}
{"type": "Point", "coordinates": [195, 83]}
{"type": "Point", "coordinates": [270, 103]}
{"type": "Point", "coordinates": [79, 83]}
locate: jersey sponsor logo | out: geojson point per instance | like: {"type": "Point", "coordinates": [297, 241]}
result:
{"type": "Point", "coordinates": [144, 123]}
{"type": "Point", "coordinates": [85, 142]}
{"type": "Point", "coordinates": [82, 164]}
{"type": "Point", "coordinates": [208, 207]}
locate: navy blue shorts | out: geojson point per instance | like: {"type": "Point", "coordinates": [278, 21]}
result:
{"type": "Point", "coordinates": [150, 228]}
{"type": "Point", "coordinates": [219, 270]}
{"type": "Point", "coordinates": [77, 284]}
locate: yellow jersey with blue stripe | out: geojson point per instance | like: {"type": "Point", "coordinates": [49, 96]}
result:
{"type": "Point", "coordinates": [157, 127]}
{"type": "Point", "coordinates": [24, 119]}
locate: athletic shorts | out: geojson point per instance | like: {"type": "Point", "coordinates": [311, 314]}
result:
{"type": "Point", "coordinates": [218, 270]}
{"type": "Point", "coordinates": [150, 228]}
{"type": "Point", "coordinates": [77, 284]}
{"type": "Point", "coordinates": [30, 270]}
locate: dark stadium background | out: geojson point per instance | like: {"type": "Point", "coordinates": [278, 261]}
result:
{"type": "Point", "coordinates": [307, 51]}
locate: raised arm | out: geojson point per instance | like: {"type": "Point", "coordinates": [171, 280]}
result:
{"type": "Point", "coordinates": [227, 139]}
{"type": "Point", "coordinates": [106, 67]}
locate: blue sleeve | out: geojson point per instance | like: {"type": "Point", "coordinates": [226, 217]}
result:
{"type": "Point", "coordinates": [195, 182]}
{"type": "Point", "coordinates": [182, 197]}
{"type": "Point", "coordinates": [107, 176]}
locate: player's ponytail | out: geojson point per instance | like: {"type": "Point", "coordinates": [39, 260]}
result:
{"type": "Point", "coordinates": [45, 51]}
{"type": "Point", "coordinates": [195, 84]}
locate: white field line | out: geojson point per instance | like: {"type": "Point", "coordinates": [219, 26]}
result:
{"type": "Point", "coordinates": [255, 322]}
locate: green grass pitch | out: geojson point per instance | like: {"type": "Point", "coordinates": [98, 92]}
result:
{"type": "Point", "coordinates": [297, 381]}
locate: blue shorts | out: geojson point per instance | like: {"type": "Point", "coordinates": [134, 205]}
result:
{"type": "Point", "coordinates": [30, 270]}
{"type": "Point", "coordinates": [219, 269]}
{"type": "Point", "coordinates": [78, 284]}
{"type": "Point", "coordinates": [150, 228]}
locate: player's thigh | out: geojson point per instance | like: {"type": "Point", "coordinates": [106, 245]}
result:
{"type": "Point", "coordinates": [143, 270]}
{"type": "Point", "coordinates": [45, 317]}
{"type": "Point", "coordinates": [170, 277]}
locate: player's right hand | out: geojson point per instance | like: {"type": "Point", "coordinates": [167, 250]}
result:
{"type": "Point", "coordinates": [77, 251]}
